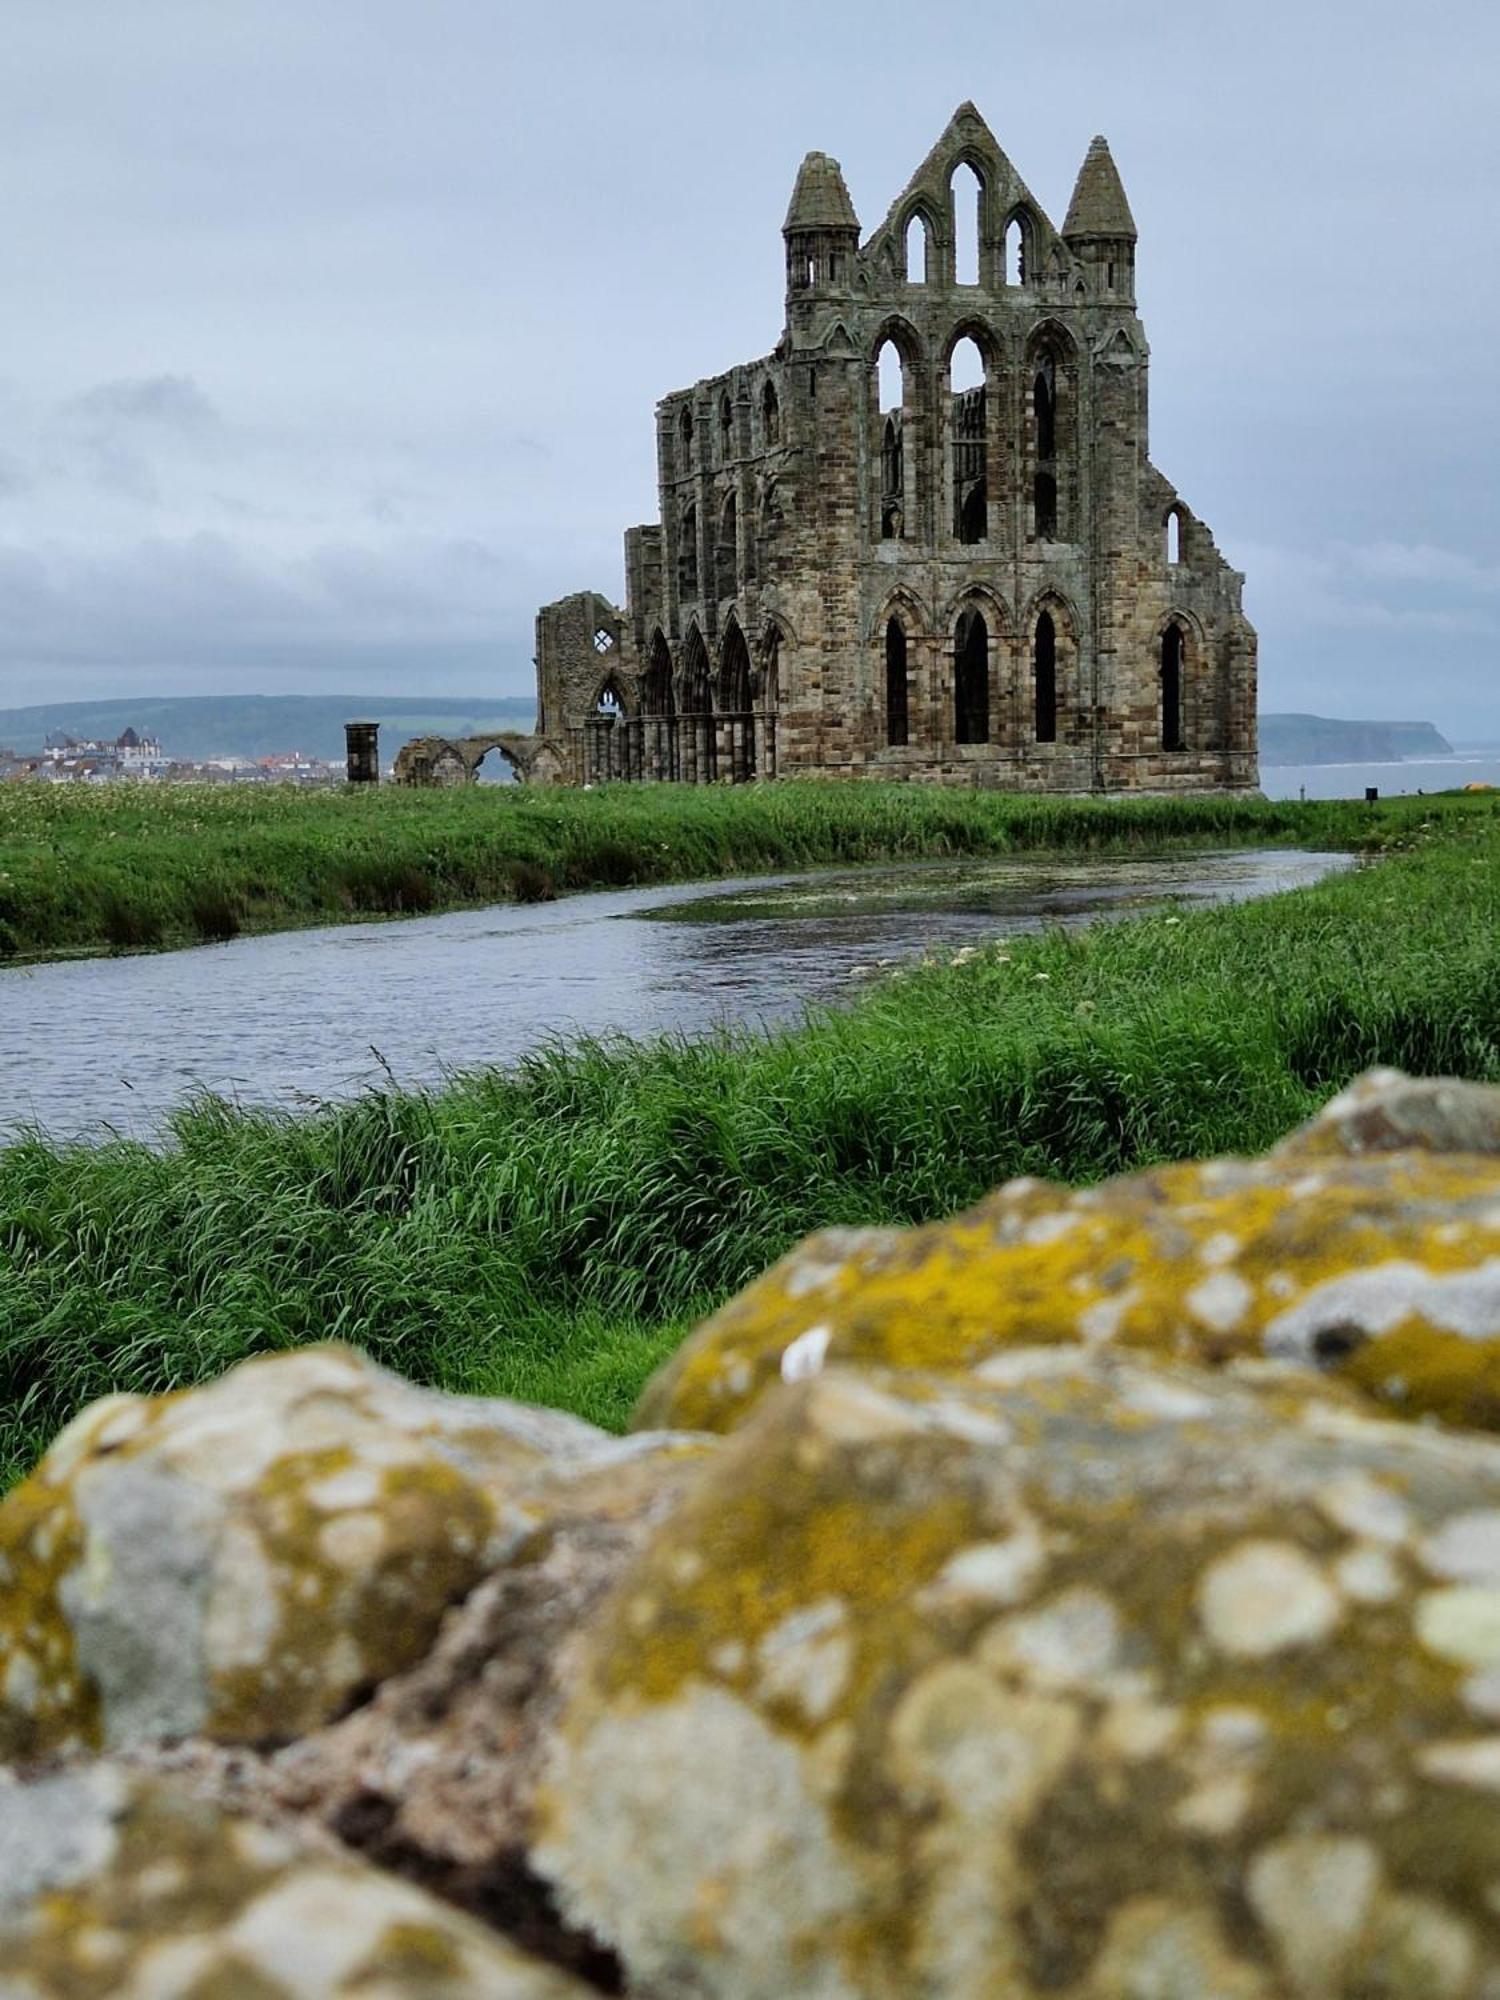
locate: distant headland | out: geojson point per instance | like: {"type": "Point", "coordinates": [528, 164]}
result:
{"type": "Point", "coordinates": [1325, 739]}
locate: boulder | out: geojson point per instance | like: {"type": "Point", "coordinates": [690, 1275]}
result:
{"type": "Point", "coordinates": [1079, 1677]}
{"type": "Point", "coordinates": [114, 1886]}
{"type": "Point", "coordinates": [1366, 1247]}
{"type": "Point", "coordinates": [244, 1561]}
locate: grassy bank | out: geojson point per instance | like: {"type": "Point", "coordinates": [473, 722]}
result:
{"type": "Point", "coordinates": [137, 867]}
{"type": "Point", "coordinates": [548, 1233]}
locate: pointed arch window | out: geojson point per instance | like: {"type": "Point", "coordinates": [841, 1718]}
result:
{"type": "Point", "coordinates": [1015, 252]}
{"type": "Point", "coordinates": [966, 436]}
{"type": "Point", "coordinates": [735, 705]}
{"type": "Point", "coordinates": [1173, 735]}
{"type": "Point", "coordinates": [770, 698]}
{"type": "Point", "coordinates": [687, 554]}
{"type": "Point", "coordinates": [1044, 416]}
{"type": "Point", "coordinates": [771, 680]}
{"type": "Point", "coordinates": [685, 435]}
{"type": "Point", "coordinates": [726, 551]}
{"type": "Point", "coordinates": [701, 742]}
{"type": "Point", "coordinates": [770, 414]}
{"type": "Point", "coordinates": [1174, 538]}
{"type": "Point", "coordinates": [966, 192]}
{"type": "Point", "coordinates": [1044, 402]}
{"type": "Point", "coordinates": [895, 683]}
{"type": "Point", "coordinates": [918, 251]}
{"type": "Point", "coordinates": [656, 685]}
{"type": "Point", "coordinates": [1044, 673]}
{"type": "Point", "coordinates": [726, 428]}
{"type": "Point", "coordinates": [890, 374]}
{"type": "Point", "coordinates": [734, 673]}
{"type": "Point", "coordinates": [971, 679]}
{"type": "Point", "coordinates": [1044, 506]}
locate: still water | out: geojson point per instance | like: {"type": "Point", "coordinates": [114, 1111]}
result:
{"type": "Point", "coordinates": [295, 1020]}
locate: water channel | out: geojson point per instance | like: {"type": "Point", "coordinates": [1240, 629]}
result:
{"type": "Point", "coordinates": [94, 1046]}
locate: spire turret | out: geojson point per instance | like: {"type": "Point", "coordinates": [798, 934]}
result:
{"type": "Point", "coordinates": [821, 229]}
{"type": "Point", "coordinates": [1100, 230]}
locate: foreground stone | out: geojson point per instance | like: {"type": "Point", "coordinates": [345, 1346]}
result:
{"type": "Point", "coordinates": [436, 1776]}
{"type": "Point", "coordinates": [117, 1887]}
{"type": "Point", "coordinates": [1086, 1676]}
{"type": "Point", "coordinates": [1367, 1247]}
{"type": "Point", "coordinates": [241, 1561]}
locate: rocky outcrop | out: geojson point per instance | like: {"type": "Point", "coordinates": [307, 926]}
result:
{"type": "Point", "coordinates": [1051, 1607]}
{"type": "Point", "coordinates": [1367, 1247]}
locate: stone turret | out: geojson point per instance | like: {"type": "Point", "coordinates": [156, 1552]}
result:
{"type": "Point", "coordinates": [821, 230]}
{"type": "Point", "coordinates": [1100, 229]}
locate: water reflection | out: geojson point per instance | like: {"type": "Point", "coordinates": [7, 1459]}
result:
{"type": "Point", "coordinates": [296, 1020]}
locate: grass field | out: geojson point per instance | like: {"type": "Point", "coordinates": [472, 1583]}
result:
{"type": "Point", "coordinates": [548, 1233]}
{"type": "Point", "coordinates": [138, 867]}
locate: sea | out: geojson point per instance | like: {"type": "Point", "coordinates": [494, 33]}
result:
{"type": "Point", "coordinates": [1477, 766]}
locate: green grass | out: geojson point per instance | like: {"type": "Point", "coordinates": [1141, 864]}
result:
{"type": "Point", "coordinates": [550, 1232]}
{"type": "Point", "coordinates": [139, 867]}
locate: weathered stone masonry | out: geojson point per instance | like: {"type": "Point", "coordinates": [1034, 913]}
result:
{"type": "Point", "coordinates": [977, 577]}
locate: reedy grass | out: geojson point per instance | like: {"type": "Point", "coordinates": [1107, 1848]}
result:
{"type": "Point", "coordinates": [549, 1232]}
{"type": "Point", "coordinates": [136, 867]}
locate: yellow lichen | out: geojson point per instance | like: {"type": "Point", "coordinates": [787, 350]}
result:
{"type": "Point", "coordinates": [1384, 1271]}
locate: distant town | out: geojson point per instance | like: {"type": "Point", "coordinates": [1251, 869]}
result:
{"type": "Point", "coordinates": [73, 760]}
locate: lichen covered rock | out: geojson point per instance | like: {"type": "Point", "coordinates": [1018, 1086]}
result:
{"type": "Point", "coordinates": [1368, 1246]}
{"type": "Point", "coordinates": [1082, 1676]}
{"type": "Point", "coordinates": [1386, 1112]}
{"type": "Point", "coordinates": [436, 1775]}
{"type": "Point", "coordinates": [118, 1887]}
{"type": "Point", "coordinates": [241, 1560]}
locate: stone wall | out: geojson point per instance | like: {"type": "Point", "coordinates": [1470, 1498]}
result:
{"type": "Point", "coordinates": [1095, 1597]}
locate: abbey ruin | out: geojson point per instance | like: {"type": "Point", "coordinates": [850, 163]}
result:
{"type": "Point", "coordinates": [922, 538]}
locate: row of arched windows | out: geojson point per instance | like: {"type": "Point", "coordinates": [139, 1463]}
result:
{"type": "Point", "coordinates": [924, 235]}
{"type": "Point", "coordinates": [769, 413]}
{"type": "Point", "coordinates": [923, 239]}
{"type": "Point", "coordinates": [971, 681]}
{"type": "Point", "coordinates": [698, 690]}
{"type": "Point", "coordinates": [697, 725]}
{"type": "Point", "coordinates": [726, 571]}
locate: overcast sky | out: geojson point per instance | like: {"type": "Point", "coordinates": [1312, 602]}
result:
{"type": "Point", "coordinates": [333, 331]}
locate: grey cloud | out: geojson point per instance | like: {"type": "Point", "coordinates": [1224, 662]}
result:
{"type": "Point", "coordinates": [334, 334]}
{"type": "Point", "coordinates": [172, 402]}
{"type": "Point", "coordinates": [193, 606]}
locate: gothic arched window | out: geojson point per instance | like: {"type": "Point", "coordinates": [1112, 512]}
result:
{"type": "Point", "coordinates": [895, 682]}
{"type": "Point", "coordinates": [1044, 670]}
{"type": "Point", "coordinates": [971, 679]}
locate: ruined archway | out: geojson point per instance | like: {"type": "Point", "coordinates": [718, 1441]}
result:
{"type": "Point", "coordinates": [440, 760]}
